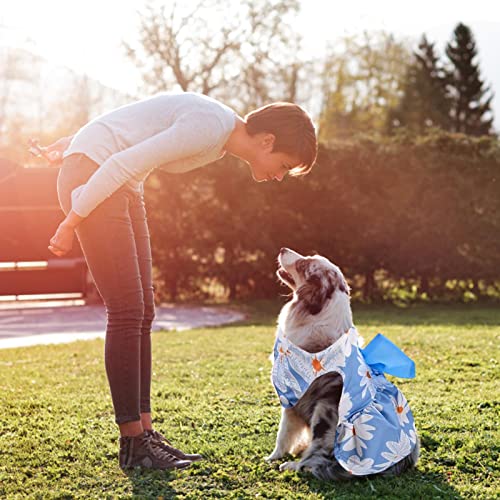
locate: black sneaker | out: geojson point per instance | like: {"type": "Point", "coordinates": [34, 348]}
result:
{"type": "Point", "coordinates": [167, 446]}
{"type": "Point", "coordinates": [144, 451]}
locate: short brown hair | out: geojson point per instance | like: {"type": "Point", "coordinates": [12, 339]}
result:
{"type": "Point", "coordinates": [292, 128]}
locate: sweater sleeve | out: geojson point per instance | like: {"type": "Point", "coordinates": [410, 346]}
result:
{"type": "Point", "coordinates": [191, 135]}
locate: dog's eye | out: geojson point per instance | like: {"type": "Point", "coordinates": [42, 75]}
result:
{"type": "Point", "coordinates": [301, 265]}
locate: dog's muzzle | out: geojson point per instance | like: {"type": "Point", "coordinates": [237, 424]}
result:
{"type": "Point", "coordinates": [285, 276]}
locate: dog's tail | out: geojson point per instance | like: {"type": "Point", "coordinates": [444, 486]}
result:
{"type": "Point", "coordinates": [330, 470]}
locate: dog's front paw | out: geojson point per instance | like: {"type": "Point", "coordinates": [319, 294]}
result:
{"type": "Point", "coordinates": [275, 455]}
{"type": "Point", "coordinates": [290, 466]}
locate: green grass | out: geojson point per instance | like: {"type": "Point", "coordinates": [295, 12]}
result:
{"type": "Point", "coordinates": [212, 394]}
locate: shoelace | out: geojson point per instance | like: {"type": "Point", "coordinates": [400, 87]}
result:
{"type": "Point", "coordinates": [161, 437]}
{"type": "Point", "coordinates": [157, 449]}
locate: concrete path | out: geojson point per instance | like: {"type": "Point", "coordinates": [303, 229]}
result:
{"type": "Point", "coordinates": [53, 323]}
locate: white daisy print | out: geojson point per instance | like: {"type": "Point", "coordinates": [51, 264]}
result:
{"type": "Point", "coordinates": [283, 352]}
{"type": "Point", "coordinates": [366, 379]}
{"type": "Point", "coordinates": [284, 379]}
{"type": "Point", "coordinates": [397, 450]}
{"type": "Point", "coordinates": [346, 345]}
{"type": "Point", "coordinates": [413, 435]}
{"type": "Point", "coordinates": [284, 401]}
{"type": "Point", "coordinates": [345, 405]}
{"type": "Point", "coordinates": [357, 466]}
{"type": "Point", "coordinates": [402, 408]}
{"type": "Point", "coordinates": [350, 339]}
{"type": "Point", "coordinates": [356, 433]}
{"type": "Point", "coordinates": [334, 357]}
{"type": "Point", "coordinates": [301, 364]}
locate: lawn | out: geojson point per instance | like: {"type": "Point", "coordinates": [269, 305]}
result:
{"type": "Point", "coordinates": [211, 394]}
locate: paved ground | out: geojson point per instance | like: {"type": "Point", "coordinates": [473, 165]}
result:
{"type": "Point", "coordinates": [56, 322]}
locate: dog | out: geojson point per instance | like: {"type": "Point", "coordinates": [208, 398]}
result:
{"type": "Point", "coordinates": [344, 416]}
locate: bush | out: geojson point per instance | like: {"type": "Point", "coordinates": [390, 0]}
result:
{"type": "Point", "coordinates": [423, 212]}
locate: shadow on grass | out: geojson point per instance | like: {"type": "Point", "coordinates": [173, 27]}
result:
{"type": "Point", "coordinates": [413, 484]}
{"type": "Point", "coordinates": [151, 483]}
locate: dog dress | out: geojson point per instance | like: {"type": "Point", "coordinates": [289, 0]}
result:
{"type": "Point", "coordinates": [376, 428]}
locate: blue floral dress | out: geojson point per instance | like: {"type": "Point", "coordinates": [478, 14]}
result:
{"type": "Point", "coordinates": [376, 428]}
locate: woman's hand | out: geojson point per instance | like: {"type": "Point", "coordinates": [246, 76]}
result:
{"type": "Point", "coordinates": [62, 242]}
{"type": "Point", "coordinates": [54, 152]}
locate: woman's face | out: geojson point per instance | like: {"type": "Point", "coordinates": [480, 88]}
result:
{"type": "Point", "coordinates": [269, 166]}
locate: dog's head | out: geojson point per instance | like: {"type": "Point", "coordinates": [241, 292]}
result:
{"type": "Point", "coordinates": [313, 279]}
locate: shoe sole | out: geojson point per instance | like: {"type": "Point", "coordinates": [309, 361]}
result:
{"type": "Point", "coordinates": [147, 467]}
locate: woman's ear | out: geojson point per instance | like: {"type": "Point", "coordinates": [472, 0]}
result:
{"type": "Point", "coordinates": [268, 141]}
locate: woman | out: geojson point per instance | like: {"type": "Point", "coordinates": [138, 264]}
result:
{"type": "Point", "coordinates": [100, 189]}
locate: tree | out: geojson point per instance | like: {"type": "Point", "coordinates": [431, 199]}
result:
{"type": "Point", "coordinates": [89, 98]}
{"type": "Point", "coordinates": [17, 68]}
{"type": "Point", "coordinates": [471, 101]}
{"type": "Point", "coordinates": [246, 55]}
{"type": "Point", "coordinates": [362, 78]}
{"type": "Point", "coordinates": [425, 102]}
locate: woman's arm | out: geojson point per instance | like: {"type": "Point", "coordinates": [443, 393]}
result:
{"type": "Point", "coordinates": [62, 242]}
{"type": "Point", "coordinates": [72, 220]}
{"type": "Point", "coordinates": [193, 134]}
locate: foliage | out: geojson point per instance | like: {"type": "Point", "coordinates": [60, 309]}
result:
{"type": "Point", "coordinates": [211, 394]}
{"type": "Point", "coordinates": [471, 109]}
{"type": "Point", "coordinates": [362, 78]}
{"type": "Point", "coordinates": [43, 101]}
{"type": "Point", "coordinates": [447, 94]}
{"type": "Point", "coordinates": [425, 102]}
{"type": "Point", "coordinates": [246, 56]}
{"type": "Point", "coordinates": [410, 212]}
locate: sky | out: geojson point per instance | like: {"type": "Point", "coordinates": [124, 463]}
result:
{"type": "Point", "coordinates": [87, 35]}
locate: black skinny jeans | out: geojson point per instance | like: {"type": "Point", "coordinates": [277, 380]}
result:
{"type": "Point", "coordinates": [116, 245]}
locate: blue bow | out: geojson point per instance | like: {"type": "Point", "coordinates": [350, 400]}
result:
{"type": "Point", "coordinates": [384, 356]}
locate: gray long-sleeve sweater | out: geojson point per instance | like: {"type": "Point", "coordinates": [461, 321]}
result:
{"type": "Point", "coordinates": [175, 132]}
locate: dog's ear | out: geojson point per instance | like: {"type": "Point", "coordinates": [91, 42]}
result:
{"type": "Point", "coordinates": [341, 283]}
{"type": "Point", "coordinates": [315, 292]}
{"type": "Point", "coordinates": [319, 288]}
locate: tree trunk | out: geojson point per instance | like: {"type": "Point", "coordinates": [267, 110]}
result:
{"type": "Point", "coordinates": [369, 285]}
